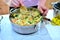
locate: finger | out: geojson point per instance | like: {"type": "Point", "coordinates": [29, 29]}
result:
{"type": "Point", "coordinates": [14, 3]}
{"type": "Point", "coordinates": [45, 10]}
{"type": "Point", "coordinates": [40, 9]}
{"type": "Point", "coordinates": [21, 2]}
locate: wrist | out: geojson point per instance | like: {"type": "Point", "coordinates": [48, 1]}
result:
{"type": "Point", "coordinates": [41, 2]}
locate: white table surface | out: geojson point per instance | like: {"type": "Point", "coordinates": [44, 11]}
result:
{"type": "Point", "coordinates": [49, 32]}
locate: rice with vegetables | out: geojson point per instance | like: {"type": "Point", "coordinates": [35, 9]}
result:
{"type": "Point", "coordinates": [26, 18]}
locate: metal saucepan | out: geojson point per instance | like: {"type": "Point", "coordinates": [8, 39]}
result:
{"type": "Point", "coordinates": [24, 29]}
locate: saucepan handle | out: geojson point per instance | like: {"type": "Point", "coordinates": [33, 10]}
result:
{"type": "Point", "coordinates": [12, 9]}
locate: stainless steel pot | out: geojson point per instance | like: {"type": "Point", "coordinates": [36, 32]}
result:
{"type": "Point", "coordinates": [56, 8]}
{"type": "Point", "coordinates": [24, 29]}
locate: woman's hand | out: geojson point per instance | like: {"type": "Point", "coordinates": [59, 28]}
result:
{"type": "Point", "coordinates": [42, 8]}
{"type": "Point", "coordinates": [16, 3]}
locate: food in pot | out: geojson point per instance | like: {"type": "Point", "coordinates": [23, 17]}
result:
{"type": "Point", "coordinates": [25, 18]}
{"type": "Point", "coordinates": [56, 20]}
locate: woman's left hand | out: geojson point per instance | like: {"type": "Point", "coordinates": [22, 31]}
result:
{"type": "Point", "coordinates": [42, 8]}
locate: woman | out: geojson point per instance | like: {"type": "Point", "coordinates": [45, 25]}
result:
{"type": "Point", "coordinates": [28, 3]}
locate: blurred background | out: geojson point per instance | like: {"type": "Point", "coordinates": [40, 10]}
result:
{"type": "Point", "coordinates": [4, 8]}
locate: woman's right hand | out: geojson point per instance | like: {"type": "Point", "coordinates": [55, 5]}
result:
{"type": "Point", "coordinates": [16, 3]}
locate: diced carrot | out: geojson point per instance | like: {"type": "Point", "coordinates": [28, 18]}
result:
{"type": "Point", "coordinates": [14, 20]}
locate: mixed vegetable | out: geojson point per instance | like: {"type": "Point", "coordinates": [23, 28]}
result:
{"type": "Point", "coordinates": [26, 17]}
